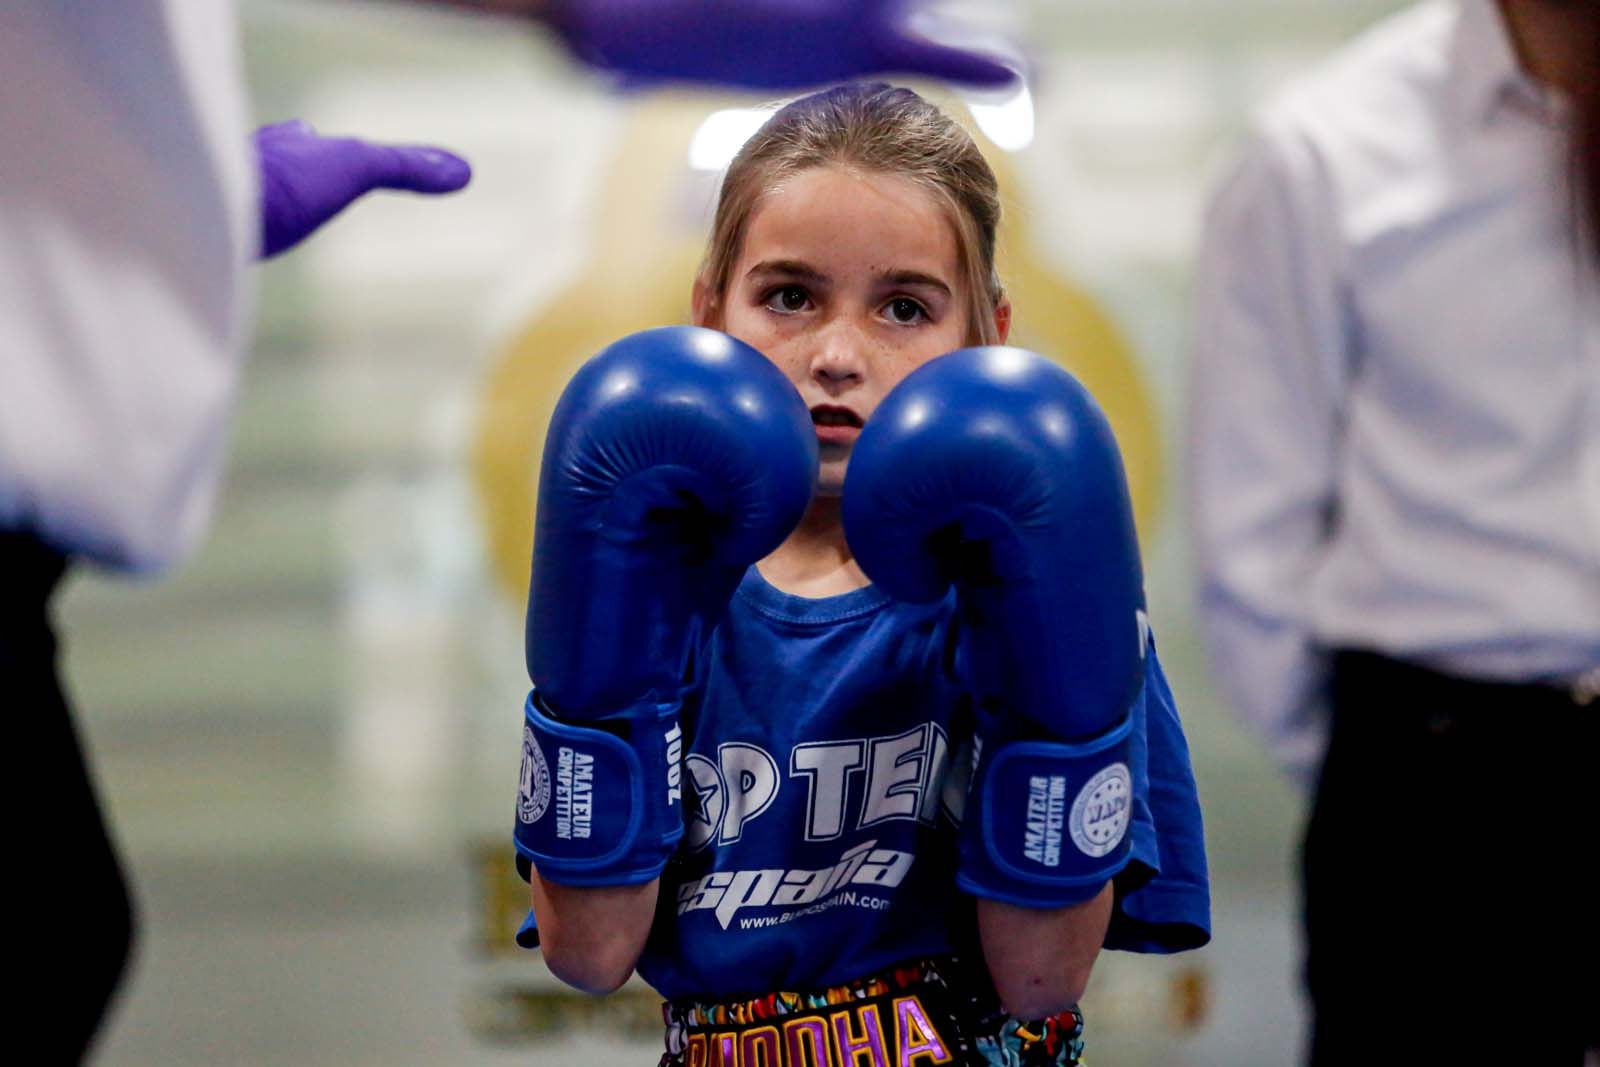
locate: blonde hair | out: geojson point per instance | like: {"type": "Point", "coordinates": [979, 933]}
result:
{"type": "Point", "coordinates": [879, 129]}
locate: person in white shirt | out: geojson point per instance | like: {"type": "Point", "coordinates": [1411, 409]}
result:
{"type": "Point", "coordinates": [131, 207]}
{"type": "Point", "coordinates": [132, 198]}
{"type": "Point", "coordinates": [1394, 483]}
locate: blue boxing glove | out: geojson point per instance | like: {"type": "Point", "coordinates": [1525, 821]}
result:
{"type": "Point", "coordinates": [994, 469]}
{"type": "Point", "coordinates": [675, 459]}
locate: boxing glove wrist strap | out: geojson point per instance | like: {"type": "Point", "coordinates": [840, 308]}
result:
{"type": "Point", "coordinates": [595, 809]}
{"type": "Point", "coordinates": [1046, 822]}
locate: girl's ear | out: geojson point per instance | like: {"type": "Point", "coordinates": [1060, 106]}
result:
{"type": "Point", "coordinates": [1002, 319]}
{"type": "Point", "coordinates": [702, 307]}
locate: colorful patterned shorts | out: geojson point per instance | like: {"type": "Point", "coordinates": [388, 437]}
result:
{"type": "Point", "coordinates": [921, 1013]}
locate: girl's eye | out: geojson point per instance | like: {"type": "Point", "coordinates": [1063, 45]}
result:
{"type": "Point", "coordinates": [904, 310]}
{"type": "Point", "coordinates": [788, 299]}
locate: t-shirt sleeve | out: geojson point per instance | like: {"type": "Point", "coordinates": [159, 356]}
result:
{"type": "Point", "coordinates": [1163, 897]}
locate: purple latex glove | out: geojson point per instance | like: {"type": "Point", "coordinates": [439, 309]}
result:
{"type": "Point", "coordinates": [307, 179]}
{"type": "Point", "coordinates": [760, 44]}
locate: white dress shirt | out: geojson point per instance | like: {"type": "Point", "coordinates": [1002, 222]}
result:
{"type": "Point", "coordinates": [1395, 394]}
{"type": "Point", "coordinates": [127, 218]}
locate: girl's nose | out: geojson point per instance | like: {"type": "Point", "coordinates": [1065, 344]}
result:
{"type": "Point", "coordinates": [840, 356]}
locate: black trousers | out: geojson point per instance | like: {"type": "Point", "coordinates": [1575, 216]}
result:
{"type": "Point", "coordinates": [75, 916]}
{"type": "Point", "coordinates": [1450, 916]}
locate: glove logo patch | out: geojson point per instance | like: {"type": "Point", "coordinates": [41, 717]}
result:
{"type": "Point", "coordinates": [574, 794]}
{"type": "Point", "coordinates": [1047, 801]}
{"type": "Point", "coordinates": [533, 794]}
{"type": "Point", "coordinates": [1099, 818]}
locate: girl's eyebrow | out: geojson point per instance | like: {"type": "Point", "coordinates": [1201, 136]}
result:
{"type": "Point", "coordinates": [916, 277]}
{"type": "Point", "coordinates": [788, 268]}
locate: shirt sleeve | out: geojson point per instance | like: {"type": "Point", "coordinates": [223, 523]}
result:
{"type": "Point", "coordinates": [129, 218]}
{"type": "Point", "coordinates": [1163, 898]}
{"type": "Point", "coordinates": [1268, 367]}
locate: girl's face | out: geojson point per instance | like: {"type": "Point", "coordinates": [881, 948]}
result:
{"type": "Point", "coordinates": [848, 282]}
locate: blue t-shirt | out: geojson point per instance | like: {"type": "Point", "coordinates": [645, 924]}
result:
{"type": "Point", "coordinates": [821, 825]}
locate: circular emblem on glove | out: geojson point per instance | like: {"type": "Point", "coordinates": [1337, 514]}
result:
{"type": "Point", "coordinates": [1099, 816]}
{"type": "Point", "coordinates": [533, 796]}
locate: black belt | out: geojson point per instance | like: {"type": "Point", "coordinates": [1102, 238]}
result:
{"type": "Point", "coordinates": [29, 573]}
{"type": "Point", "coordinates": [1364, 671]}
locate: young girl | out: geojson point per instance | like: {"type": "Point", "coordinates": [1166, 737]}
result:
{"type": "Point", "coordinates": [810, 913]}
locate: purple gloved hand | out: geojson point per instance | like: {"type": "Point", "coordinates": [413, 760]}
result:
{"type": "Point", "coordinates": [307, 179]}
{"type": "Point", "coordinates": [760, 44]}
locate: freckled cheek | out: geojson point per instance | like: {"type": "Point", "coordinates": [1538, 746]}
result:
{"type": "Point", "coordinates": [789, 359]}
{"type": "Point", "coordinates": [903, 363]}
{"type": "Point", "coordinates": [753, 332]}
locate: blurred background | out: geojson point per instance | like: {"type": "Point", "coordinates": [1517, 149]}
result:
{"type": "Point", "coordinates": [309, 740]}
